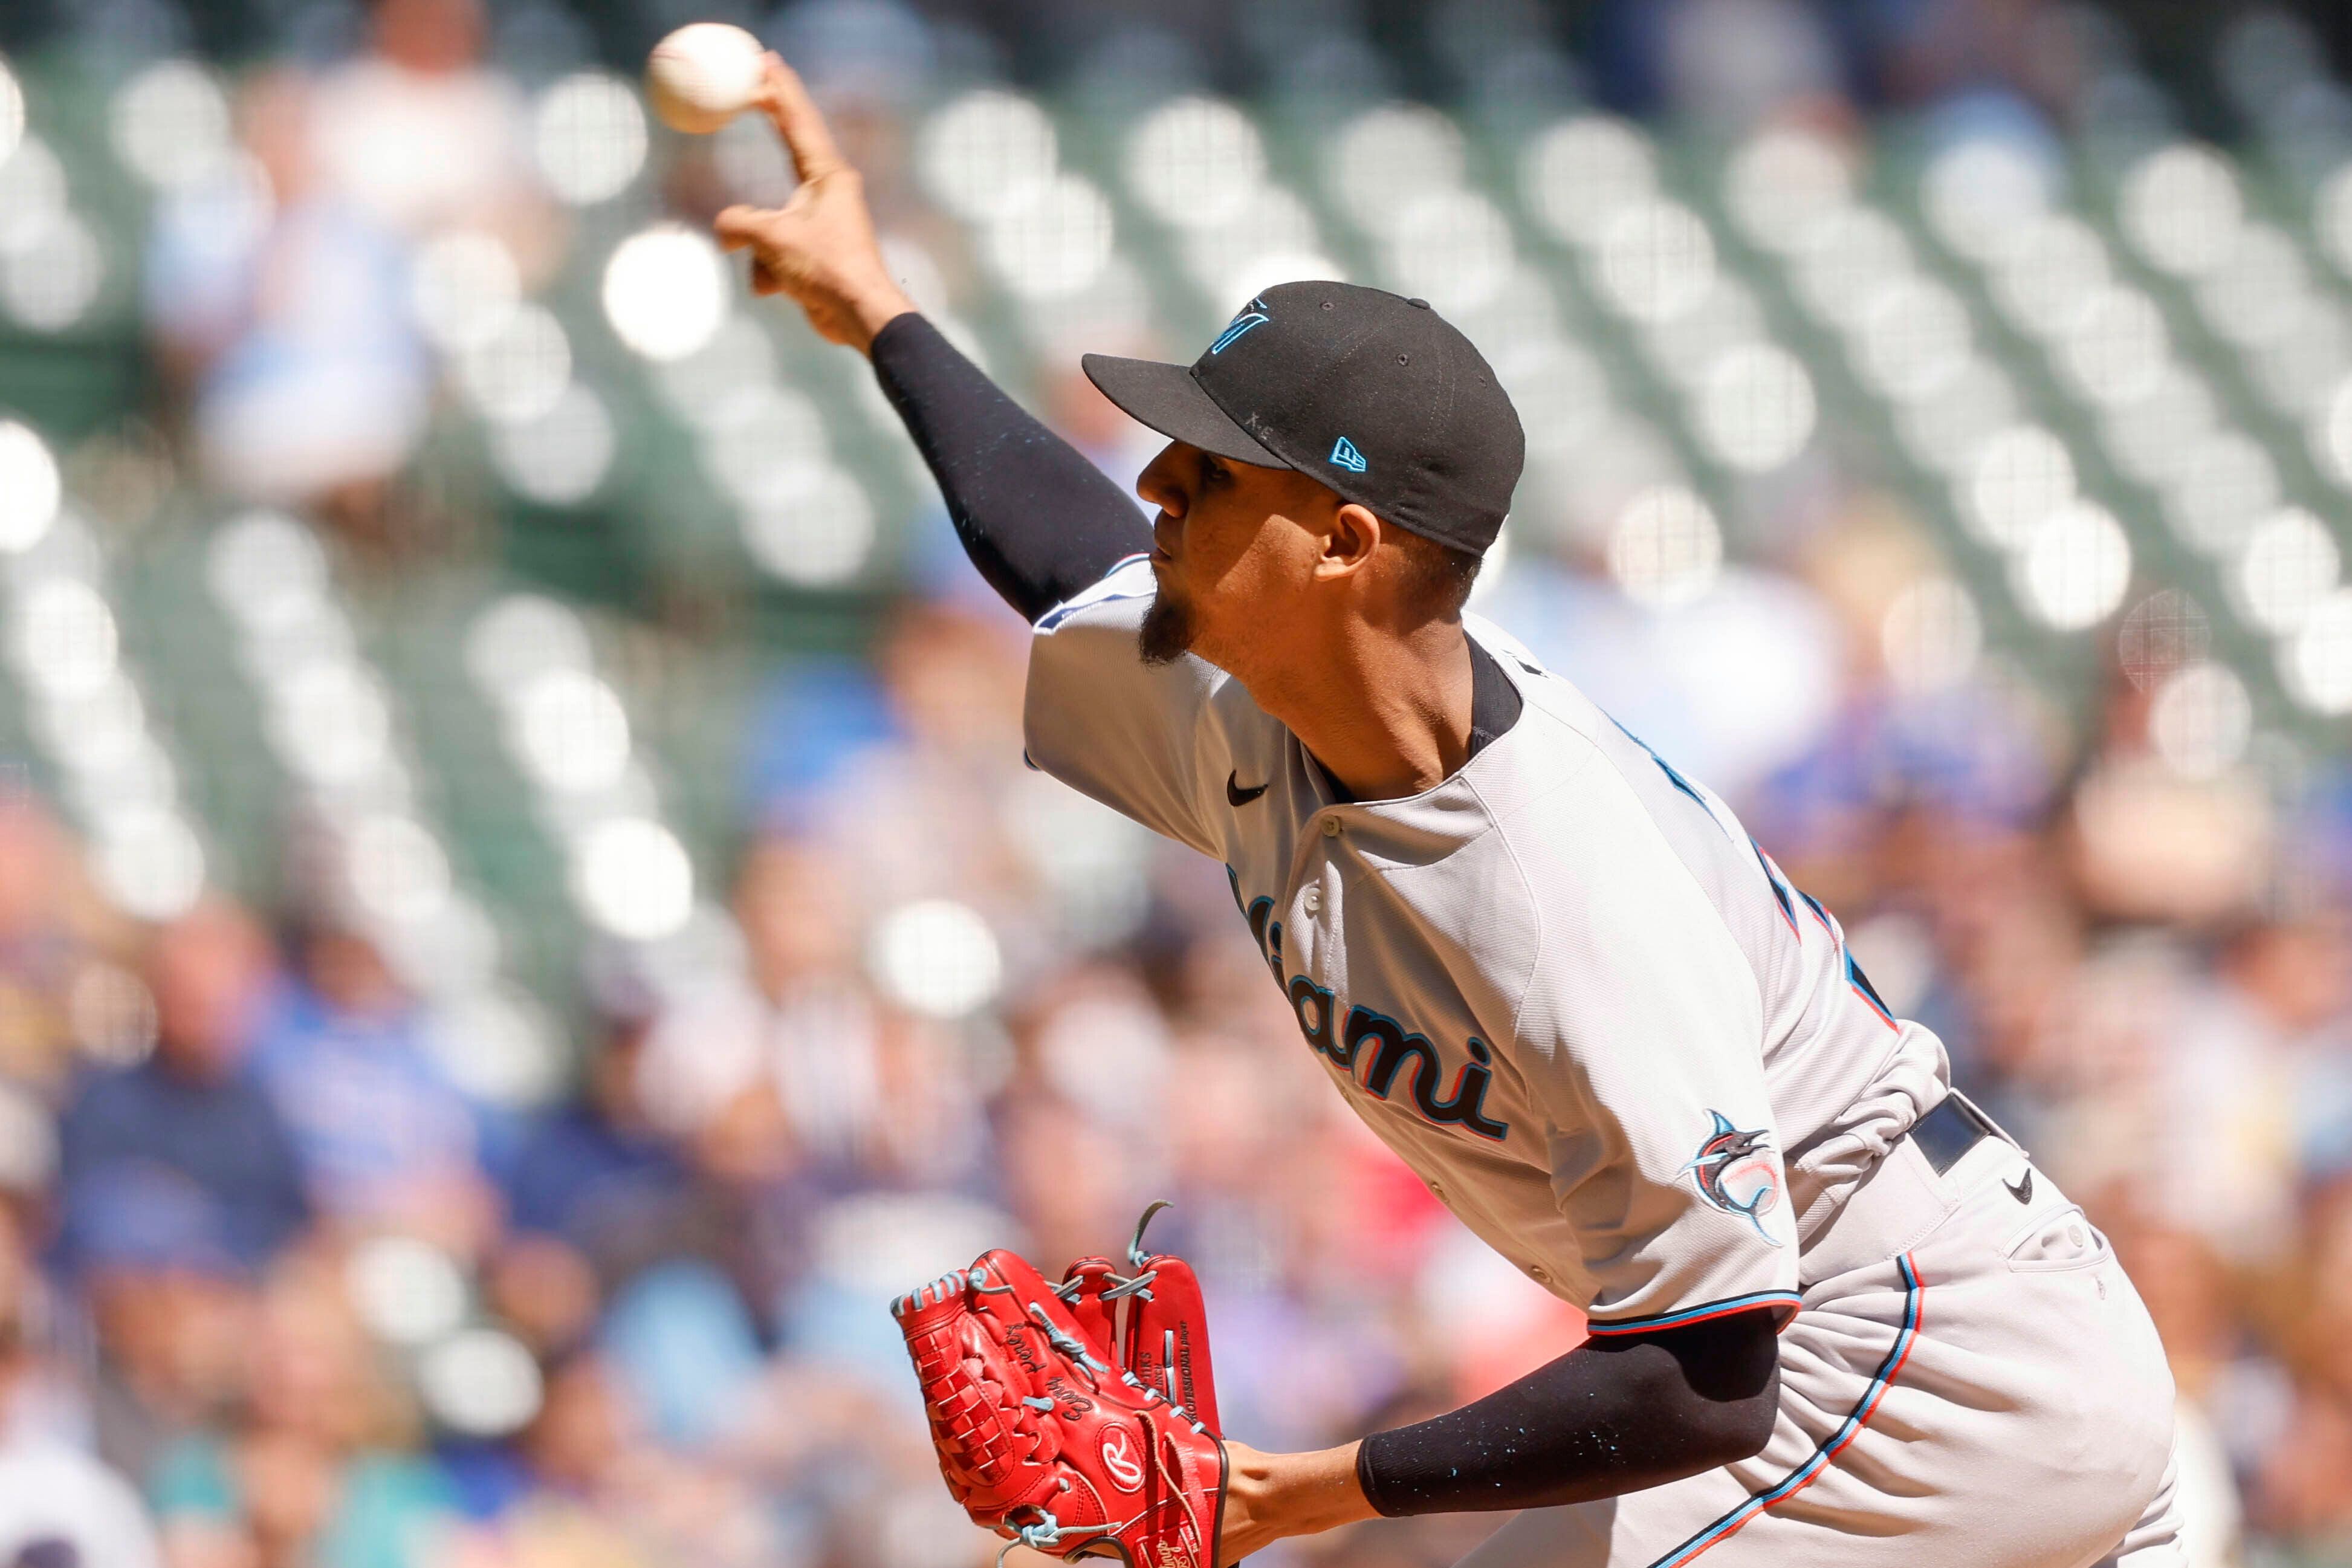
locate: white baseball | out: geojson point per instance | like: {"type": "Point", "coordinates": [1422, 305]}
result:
{"type": "Point", "coordinates": [702, 76]}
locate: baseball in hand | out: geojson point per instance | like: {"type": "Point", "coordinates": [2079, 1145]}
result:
{"type": "Point", "coordinates": [702, 76]}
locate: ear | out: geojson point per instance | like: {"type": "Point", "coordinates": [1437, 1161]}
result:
{"type": "Point", "coordinates": [1347, 546]}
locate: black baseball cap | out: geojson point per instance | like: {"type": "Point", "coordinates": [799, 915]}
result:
{"type": "Point", "coordinates": [1368, 392]}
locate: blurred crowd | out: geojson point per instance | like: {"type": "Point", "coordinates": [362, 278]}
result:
{"type": "Point", "coordinates": [276, 1284]}
{"type": "Point", "coordinates": [276, 1290]}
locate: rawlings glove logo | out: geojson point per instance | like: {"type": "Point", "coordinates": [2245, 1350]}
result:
{"type": "Point", "coordinates": [1119, 1461]}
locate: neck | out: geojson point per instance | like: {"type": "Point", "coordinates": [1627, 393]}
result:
{"type": "Point", "coordinates": [1387, 713]}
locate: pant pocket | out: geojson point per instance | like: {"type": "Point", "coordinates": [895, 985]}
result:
{"type": "Point", "coordinates": [2056, 1241]}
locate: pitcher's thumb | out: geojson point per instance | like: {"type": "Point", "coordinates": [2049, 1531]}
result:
{"type": "Point", "coordinates": [738, 227]}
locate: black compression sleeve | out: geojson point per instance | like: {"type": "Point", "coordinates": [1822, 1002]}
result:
{"type": "Point", "coordinates": [1039, 521]}
{"type": "Point", "coordinates": [1612, 1416]}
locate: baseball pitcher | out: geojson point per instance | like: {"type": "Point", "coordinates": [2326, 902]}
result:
{"type": "Point", "coordinates": [1837, 1317]}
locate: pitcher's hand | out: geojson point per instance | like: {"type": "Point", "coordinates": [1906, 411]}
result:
{"type": "Point", "coordinates": [819, 247]}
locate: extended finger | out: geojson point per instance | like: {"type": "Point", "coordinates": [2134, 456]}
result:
{"type": "Point", "coordinates": [805, 134]}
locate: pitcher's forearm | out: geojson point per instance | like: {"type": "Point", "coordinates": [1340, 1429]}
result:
{"type": "Point", "coordinates": [1620, 1413]}
{"type": "Point", "coordinates": [1611, 1416]}
{"type": "Point", "coordinates": [1039, 521]}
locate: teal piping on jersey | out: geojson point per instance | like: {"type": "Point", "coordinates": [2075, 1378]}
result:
{"type": "Point", "coordinates": [1061, 611]}
{"type": "Point", "coordinates": [1861, 988]}
{"type": "Point", "coordinates": [1700, 1314]}
{"type": "Point", "coordinates": [1672, 777]}
{"type": "Point", "coordinates": [1780, 889]}
{"type": "Point", "coordinates": [1854, 978]}
{"type": "Point", "coordinates": [1780, 886]}
{"type": "Point", "coordinates": [1809, 1472]}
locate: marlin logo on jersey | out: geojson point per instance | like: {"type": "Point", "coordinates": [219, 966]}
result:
{"type": "Point", "coordinates": [1255, 316]}
{"type": "Point", "coordinates": [1736, 1174]}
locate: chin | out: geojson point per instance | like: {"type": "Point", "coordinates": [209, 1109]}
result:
{"type": "Point", "coordinates": [1169, 630]}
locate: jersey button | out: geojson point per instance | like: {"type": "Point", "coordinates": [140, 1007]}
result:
{"type": "Point", "coordinates": [1313, 899]}
{"type": "Point", "coordinates": [1331, 828]}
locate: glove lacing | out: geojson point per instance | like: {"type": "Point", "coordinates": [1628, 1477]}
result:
{"type": "Point", "coordinates": [1139, 1286]}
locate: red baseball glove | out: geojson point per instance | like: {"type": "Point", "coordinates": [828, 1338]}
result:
{"type": "Point", "coordinates": [1043, 1436]}
{"type": "Point", "coordinates": [1150, 1323]}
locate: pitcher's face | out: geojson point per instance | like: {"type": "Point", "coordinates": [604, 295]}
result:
{"type": "Point", "coordinates": [1232, 553]}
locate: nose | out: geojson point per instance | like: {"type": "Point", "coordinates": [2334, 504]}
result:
{"type": "Point", "coordinates": [1157, 484]}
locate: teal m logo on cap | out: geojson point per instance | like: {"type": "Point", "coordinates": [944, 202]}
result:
{"type": "Point", "coordinates": [1255, 316]}
{"type": "Point", "coordinates": [1345, 455]}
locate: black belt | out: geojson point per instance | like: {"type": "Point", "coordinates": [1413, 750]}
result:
{"type": "Point", "coordinates": [1951, 1130]}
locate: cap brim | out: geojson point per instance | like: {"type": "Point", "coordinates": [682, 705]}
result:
{"type": "Point", "coordinates": [1165, 398]}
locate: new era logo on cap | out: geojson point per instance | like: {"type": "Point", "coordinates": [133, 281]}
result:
{"type": "Point", "coordinates": [1325, 364]}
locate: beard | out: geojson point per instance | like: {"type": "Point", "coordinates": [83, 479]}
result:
{"type": "Point", "coordinates": [1168, 629]}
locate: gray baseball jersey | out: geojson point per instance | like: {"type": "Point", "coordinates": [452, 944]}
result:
{"type": "Point", "coordinates": [1565, 985]}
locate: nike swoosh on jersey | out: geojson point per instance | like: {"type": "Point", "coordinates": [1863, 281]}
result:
{"type": "Point", "coordinates": [2022, 1191]}
{"type": "Point", "coordinates": [1236, 796]}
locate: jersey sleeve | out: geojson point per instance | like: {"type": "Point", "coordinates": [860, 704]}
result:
{"type": "Point", "coordinates": [1643, 1031]}
{"type": "Point", "coordinates": [1132, 735]}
